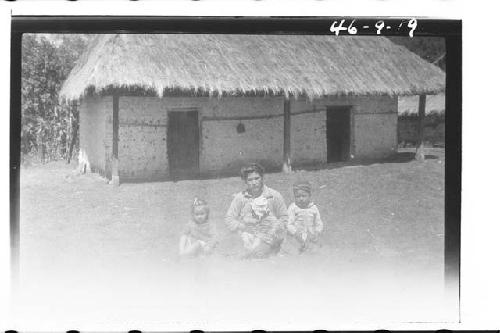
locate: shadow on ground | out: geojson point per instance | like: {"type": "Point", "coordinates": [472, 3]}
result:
{"type": "Point", "coordinates": [404, 155]}
{"type": "Point", "coordinates": [400, 157]}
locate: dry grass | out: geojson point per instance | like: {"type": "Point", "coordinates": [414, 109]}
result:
{"type": "Point", "coordinates": [242, 64]}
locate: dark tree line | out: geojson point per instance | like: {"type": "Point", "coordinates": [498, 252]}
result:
{"type": "Point", "coordinates": [432, 49]}
{"type": "Point", "coordinates": [48, 126]}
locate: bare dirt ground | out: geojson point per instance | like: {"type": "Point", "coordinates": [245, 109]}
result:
{"type": "Point", "coordinates": [96, 243]}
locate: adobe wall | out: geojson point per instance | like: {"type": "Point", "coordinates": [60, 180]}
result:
{"type": "Point", "coordinates": [373, 127]}
{"type": "Point", "coordinates": [93, 138]}
{"type": "Point", "coordinates": [142, 146]}
{"type": "Point", "coordinates": [143, 131]}
{"type": "Point", "coordinates": [223, 148]}
{"type": "Point", "coordinates": [308, 132]}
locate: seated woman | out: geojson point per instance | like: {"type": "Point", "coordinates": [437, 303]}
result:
{"type": "Point", "coordinates": [262, 236]}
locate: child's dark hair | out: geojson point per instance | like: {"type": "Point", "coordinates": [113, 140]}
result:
{"type": "Point", "coordinates": [302, 185]}
{"type": "Point", "coordinates": [253, 167]}
{"type": "Point", "coordinates": [197, 202]}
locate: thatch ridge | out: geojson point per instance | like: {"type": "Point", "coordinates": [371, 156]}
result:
{"type": "Point", "coordinates": [239, 64]}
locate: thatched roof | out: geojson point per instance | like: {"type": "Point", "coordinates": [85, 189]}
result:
{"type": "Point", "coordinates": [246, 64]}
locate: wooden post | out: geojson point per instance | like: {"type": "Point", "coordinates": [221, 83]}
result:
{"type": "Point", "coordinates": [419, 154]}
{"type": "Point", "coordinates": [287, 167]}
{"type": "Point", "coordinates": [73, 132]}
{"type": "Point", "coordinates": [115, 178]}
{"type": "Point", "coordinates": [68, 133]}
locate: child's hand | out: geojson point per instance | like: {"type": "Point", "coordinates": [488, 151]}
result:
{"type": "Point", "coordinates": [203, 245]}
{"type": "Point", "coordinates": [249, 220]}
{"type": "Point", "coordinates": [246, 237]}
{"type": "Point", "coordinates": [298, 232]}
{"type": "Point", "coordinates": [211, 245]}
{"type": "Point", "coordinates": [267, 238]}
{"type": "Point", "coordinates": [292, 230]}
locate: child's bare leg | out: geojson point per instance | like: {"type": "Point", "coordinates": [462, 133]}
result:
{"type": "Point", "coordinates": [293, 244]}
{"type": "Point", "coordinates": [183, 245]}
{"type": "Point", "coordinates": [247, 244]}
{"type": "Point", "coordinates": [208, 247]}
{"type": "Point", "coordinates": [247, 239]}
{"type": "Point", "coordinates": [250, 243]}
{"type": "Point", "coordinates": [262, 250]}
{"type": "Point", "coordinates": [189, 246]}
{"type": "Point", "coordinates": [312, 243]}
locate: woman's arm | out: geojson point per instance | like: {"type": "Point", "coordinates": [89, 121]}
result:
{"type": "Point", "coordinates": [291, 227]}
{"type": "Point", "coordinates": [232, 218]}
{"type": "Point", "coordinates": [318, 223]}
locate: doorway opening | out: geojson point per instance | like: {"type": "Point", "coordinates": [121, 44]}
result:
{"type": "Point", "coordinates": [338, 133]}
{"type": "Point", "coordinates": [183, 144]}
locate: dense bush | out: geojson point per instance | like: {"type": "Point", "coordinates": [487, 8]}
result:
{"type": "Point", "coordinates": [47, 125]}
{"type": "Point", "coordinates": [432, 49]}
{"type": "Point", "coordinates": [434, 129]}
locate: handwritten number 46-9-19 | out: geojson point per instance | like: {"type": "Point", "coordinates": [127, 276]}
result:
{"type": "Point", "coordinates": [351, 29]}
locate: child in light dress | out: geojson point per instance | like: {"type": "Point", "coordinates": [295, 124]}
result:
{"type": "Point", "coordinates": [198, 237]}
{"type": "Point", "coordinates": [304, 221]}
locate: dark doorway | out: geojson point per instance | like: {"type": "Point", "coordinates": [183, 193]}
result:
{"type": "Point", "coordinates": [338, 133]}
{"type": "Point", "coordinates": [183, 144]}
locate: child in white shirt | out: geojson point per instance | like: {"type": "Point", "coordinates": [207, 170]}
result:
{"type": "Point", "coordinates": [304, 221]}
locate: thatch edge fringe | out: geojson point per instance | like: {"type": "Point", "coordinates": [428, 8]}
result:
{"type": "Point", "coordinates": [125, 91]}
{"type": "Point", "coordinates": [72, 90]}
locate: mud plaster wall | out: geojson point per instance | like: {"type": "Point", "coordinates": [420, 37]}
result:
{"type": "Point", "coordinates": [376, 128]}
{"type": "Point", "coordinates": [375, 135]}
{"type": "Point", "coordinates": [373, 127]}
{"type": "Point", "coordinates": [142, 147]}
{"type": "Point", "coordinates": [93, 145]}
{"type": "Point", "coordinates": [143, 131]}
{"type": "Point", "coordinates": [223, 148]}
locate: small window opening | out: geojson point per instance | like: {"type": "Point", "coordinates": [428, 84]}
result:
{"type": "Point", "coordinates": [240, 128]}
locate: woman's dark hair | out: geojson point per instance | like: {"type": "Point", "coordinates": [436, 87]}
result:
{"type": "Point", "coordinates": [254, 167]}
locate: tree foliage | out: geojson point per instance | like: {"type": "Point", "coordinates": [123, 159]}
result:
{"type": "Point", "coordinates": [47, 125]}
{"type": "Point", "coordinates": [432, 49]}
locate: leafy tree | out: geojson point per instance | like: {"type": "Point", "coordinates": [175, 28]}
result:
{"type": "Point", "coordinates": [432, 49]}
{"type": "Point", "coordinates": [47, 124]}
